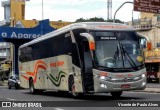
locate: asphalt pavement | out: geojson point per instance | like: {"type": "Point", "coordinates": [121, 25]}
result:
{"type": "Point", "coordinates": [87, 102]}
{"type": "Point", "coordinates": [150, 87]}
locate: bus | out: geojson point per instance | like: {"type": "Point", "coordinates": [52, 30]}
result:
{"type": "Point", "coordinates": [81, 58]}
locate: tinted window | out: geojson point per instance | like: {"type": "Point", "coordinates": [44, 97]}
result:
{"type": "Point", "coordinates": [51, 47]}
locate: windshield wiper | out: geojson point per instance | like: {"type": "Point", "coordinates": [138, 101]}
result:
{"type": "Point", "coordinates": [105, 68]}
{"type": "Point", "coordinates": [131, 62]}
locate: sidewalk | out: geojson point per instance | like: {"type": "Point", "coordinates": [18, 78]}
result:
{"type": "Point", "coordinates": [3, 83]}
{"type": "Point", "coordinates": [151, 87]}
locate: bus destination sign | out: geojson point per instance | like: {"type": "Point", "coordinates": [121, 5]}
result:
{"type": "Point", "coordinates": [151, 6]}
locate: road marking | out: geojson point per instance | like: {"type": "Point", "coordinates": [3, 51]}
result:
{"type": "Point", "coordinates": [4, 89]}
{"type": "Point", "coordinates": [11, 99]}
{"type": "Point", "coordinates": [58, 109]}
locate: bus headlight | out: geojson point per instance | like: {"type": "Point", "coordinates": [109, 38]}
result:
{"type": "Point", "coordinates": [143, 84]}
{"type": "Point", "coordinates": [103, 86]}
{"type": "Point", "coordinates": [105, 78]}
{"type": "Point", "coordinates": [143, 75]}
{"type": "Point", "coordinates": [102, 77]}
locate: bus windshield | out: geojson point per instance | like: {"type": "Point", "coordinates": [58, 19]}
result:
{"type": "Point", "coordinates": [117, 50]}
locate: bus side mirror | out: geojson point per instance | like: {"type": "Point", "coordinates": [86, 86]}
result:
{"type": "Point", "coordinates": [149, 45]}
{"type": "Point", "coordinates": [147, 39]}
{"type": "Point", "coordinates": [90, 39]}
{"type": "Point", "coordinates": [91, 45]}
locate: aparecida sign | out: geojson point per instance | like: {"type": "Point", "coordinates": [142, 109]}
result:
{"type": "Point", "coordinates": [26, 33]}
{"type": "Point", "coordinates": [15, 35]}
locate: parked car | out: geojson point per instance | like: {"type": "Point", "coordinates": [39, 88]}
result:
{"type": "Point", "coordinates": [13, 81]}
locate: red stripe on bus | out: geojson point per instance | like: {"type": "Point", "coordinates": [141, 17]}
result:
{"type": "Point", "coordinates": [25, 77]}
{"type": "Point", "coordinates": [36, 71]}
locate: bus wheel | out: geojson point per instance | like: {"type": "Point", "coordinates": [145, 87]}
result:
{"type": "Point", "coordinates": [16, 86]}
{"type": "Point", "coordinates": [73, 92]}
{"type": "Point", "coordinates": [31, 87]}
{"type": "Point", "coordinates": [116, 94]}
{"type": "Point", "coordinates": [9, 87]}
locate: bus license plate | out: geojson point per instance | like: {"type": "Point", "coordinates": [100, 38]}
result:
{"type": "Point", "coordinates": [125, 86]}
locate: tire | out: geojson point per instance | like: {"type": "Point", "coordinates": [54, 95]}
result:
{"type": "Point", "coordinates": [9, 87]}
{"type": "Point", "coordinates": [74, 94]}
{"type": "Point", "coordinates": [31, 87]}
{"type": "Point", "coordinates": [16, 86]}
{"type": "Point", "coordinates": [116, 94]}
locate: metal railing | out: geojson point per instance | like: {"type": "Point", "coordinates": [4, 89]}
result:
{"type": "Point", "coordinates": [143, 21]}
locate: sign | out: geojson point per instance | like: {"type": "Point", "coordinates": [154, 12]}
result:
{"type": "Point", "coordinates": [151, 6]}
{"type": "Point", "coordinates": [26, 33]}
{"type": "Point", "coordinates": [152, 56]}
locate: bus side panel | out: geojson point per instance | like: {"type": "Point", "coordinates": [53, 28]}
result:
{"type": "Point", "coordinates": [64, 69]}
{"type": "Point", "coordinates": [77, 68]}
{"type": "Point", "coordinates": [24, 68]}
{"type": "Point", "coordinates": [78, 79]}
{"type": "Point", "coordinates": [51, 73]}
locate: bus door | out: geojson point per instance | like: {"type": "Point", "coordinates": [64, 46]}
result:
{"type": "Point", "coordinates": [87, 63]}
{"type": "Point", "coordinates": [87, 73]}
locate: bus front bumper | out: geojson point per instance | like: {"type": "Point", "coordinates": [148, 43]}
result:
{"type": "Point", "coordinates": [105, 86]}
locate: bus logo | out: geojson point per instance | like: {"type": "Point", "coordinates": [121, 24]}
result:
{"type": "Point", "coordinates": [125, 79]}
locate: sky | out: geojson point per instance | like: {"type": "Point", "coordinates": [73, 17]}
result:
{"type": "Point", "coordinates": [71, 10]}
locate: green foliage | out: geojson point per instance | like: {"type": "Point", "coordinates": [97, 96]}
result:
{"type": "Point", "coordinates": [96, 19]}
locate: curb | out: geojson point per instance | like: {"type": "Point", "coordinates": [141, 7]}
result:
{"type": "Point", "coordinates": [149, 90]}
{"type": "Point", "coordinates": [5, 83]}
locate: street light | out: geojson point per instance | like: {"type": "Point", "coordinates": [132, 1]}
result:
{"type": "Point", "coordinates": [118, 9]}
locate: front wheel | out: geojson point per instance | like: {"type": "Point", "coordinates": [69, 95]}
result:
{"type": "Point", "coordinates": [16, 86]}
{"type": "Point", "coordinates": [116, 94]}
{"type": "Point", "coordinates": [73, 92]}
{"type": "Point", "coordinates": [9, 87]}
{"type": "Point", "coordinates": [31, 87]}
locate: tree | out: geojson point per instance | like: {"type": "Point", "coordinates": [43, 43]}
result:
{"type": "Point", "coordinates": [116, 20]}
{"type": "Point", "coordinates": [80, 20]}
{"type": "Point", "coordinates": [96, 19]}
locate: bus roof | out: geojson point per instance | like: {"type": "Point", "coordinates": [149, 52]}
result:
{"type": "Point", "coordinates": [82, 25]}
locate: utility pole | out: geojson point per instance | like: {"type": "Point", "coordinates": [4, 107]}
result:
{"type": "Point", "coordinates": [109, 9]}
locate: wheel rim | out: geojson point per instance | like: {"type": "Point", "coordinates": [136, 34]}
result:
{"type": "Point", "coordinates": [31, 88]}
{"type": "Point", "coordinates": [73, 91]}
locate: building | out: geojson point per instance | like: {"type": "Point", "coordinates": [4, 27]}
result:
{"type": "Point", "coordinates": [5, 58]}
{"type": "Point", "coordinates": [149, 25]}
{"type": "Point", "coordinates": [14, 16]}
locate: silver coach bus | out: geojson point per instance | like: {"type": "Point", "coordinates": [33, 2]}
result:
{"type": "Point", "coordinates": [91, 57]}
